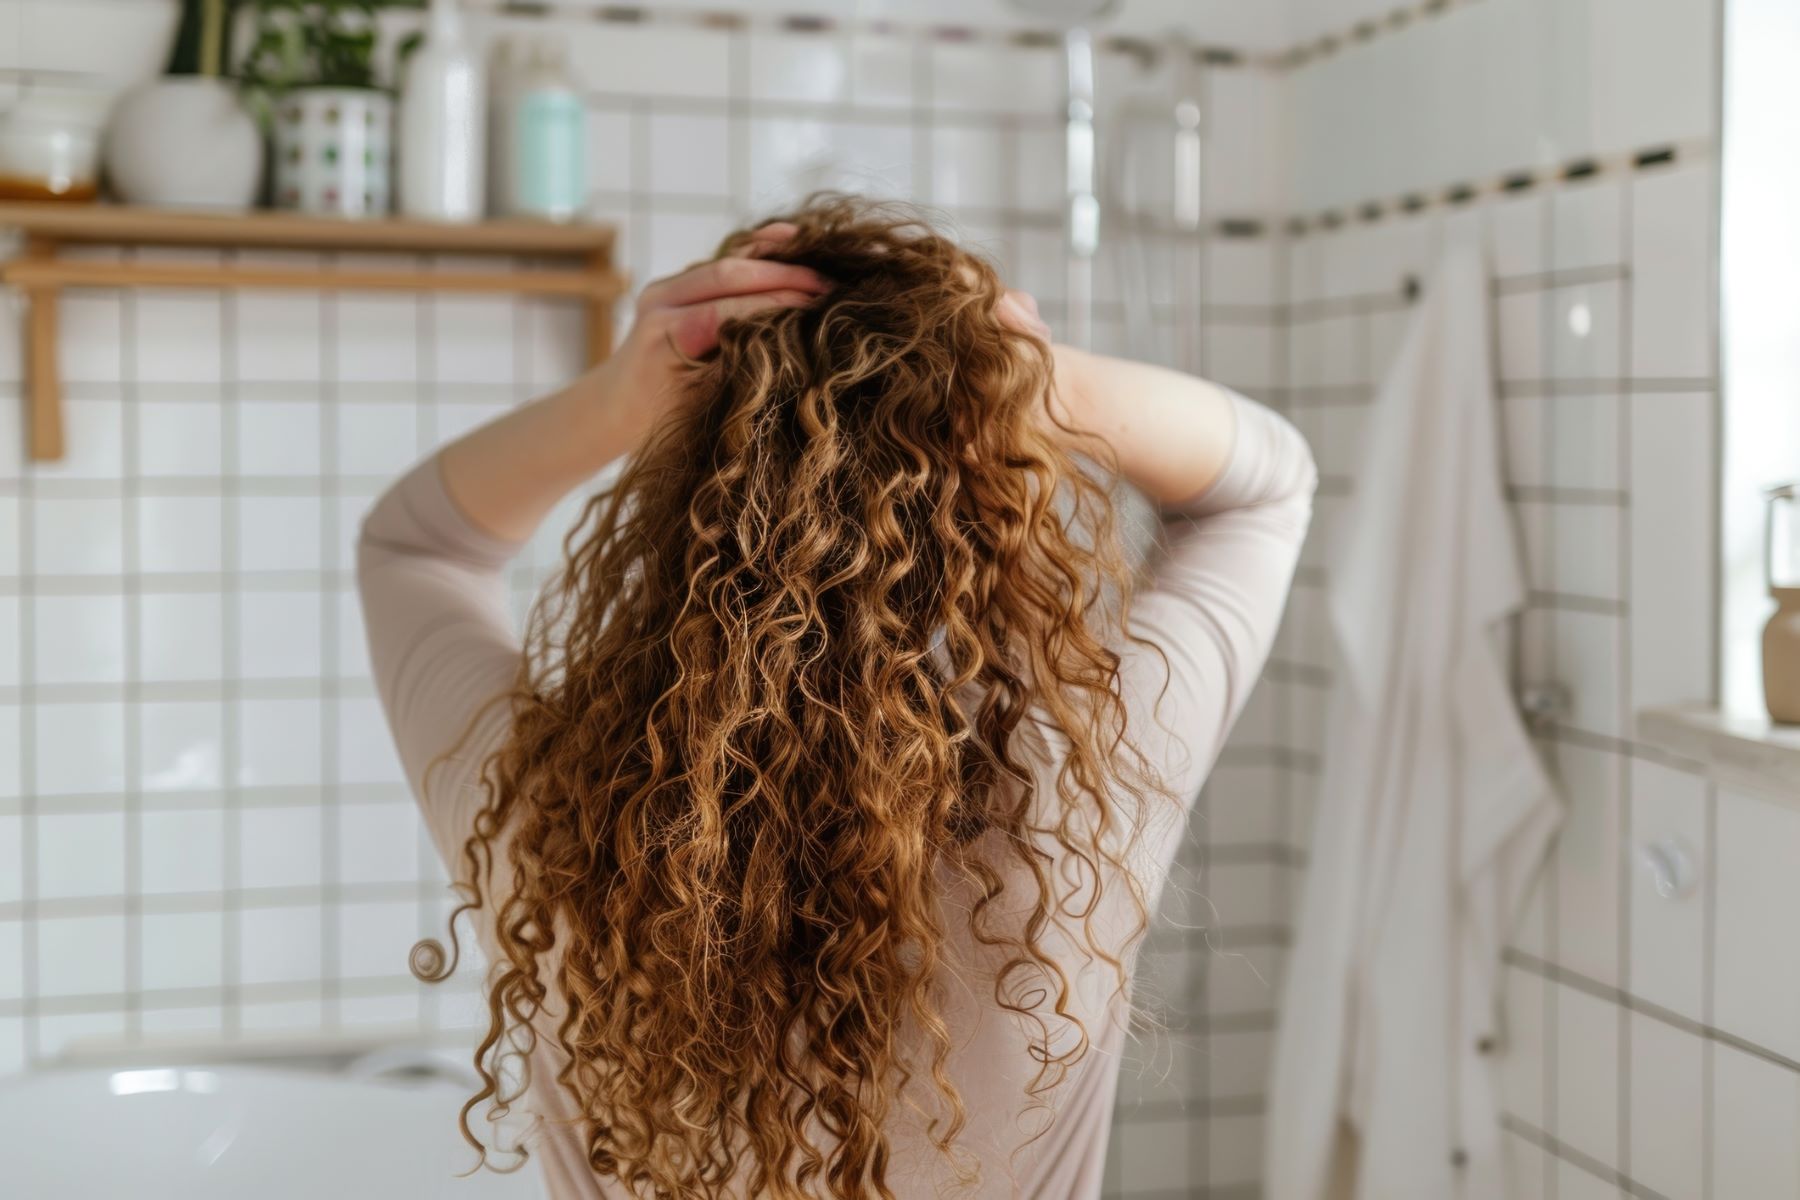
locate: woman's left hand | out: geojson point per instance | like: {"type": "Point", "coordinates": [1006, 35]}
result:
{"type": "Point", "coordinates": [678, 319]}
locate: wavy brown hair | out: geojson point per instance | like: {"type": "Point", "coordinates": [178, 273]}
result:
{"type": "Point", "coordinates": [787, 689]}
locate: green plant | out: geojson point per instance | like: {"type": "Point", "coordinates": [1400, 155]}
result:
{"type": "Point", "coordinates": [310, 43]}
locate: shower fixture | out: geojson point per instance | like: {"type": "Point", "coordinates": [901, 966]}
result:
{"type": "Point", "coordinates": [1082, 229]}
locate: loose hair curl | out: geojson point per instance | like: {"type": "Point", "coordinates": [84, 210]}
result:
{"type": "Point", "coordinates": [783, 693]}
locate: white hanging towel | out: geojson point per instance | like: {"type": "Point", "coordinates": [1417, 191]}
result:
{"type": "Point", "coordinates": [1433, 808]}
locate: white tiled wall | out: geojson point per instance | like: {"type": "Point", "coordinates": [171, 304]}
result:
{"type": "Point", "coordinates": [1653, 1044]}
{"type": "Point", "coordinates": [203, 832]}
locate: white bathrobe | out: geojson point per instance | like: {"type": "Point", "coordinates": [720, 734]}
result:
{"type": "Point", "coordinates": [1433, 808]}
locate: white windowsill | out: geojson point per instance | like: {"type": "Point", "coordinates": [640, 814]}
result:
{"type": "Point", "coordinates": [1746, 751]}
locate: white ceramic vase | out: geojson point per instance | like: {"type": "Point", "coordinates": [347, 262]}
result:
{"type": "Point", "coordinates": [334, 151]}
{"type": "Point", "coordinates": [184, 141]}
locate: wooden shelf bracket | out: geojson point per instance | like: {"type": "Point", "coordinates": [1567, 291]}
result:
{"type": "Point", "coordinates": [41, 273]}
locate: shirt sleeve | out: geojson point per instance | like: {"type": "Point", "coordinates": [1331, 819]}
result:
{"type": "Point", "coordinates": [1209, 613]}
{"type": "Point", "coordinates": [441, 642]}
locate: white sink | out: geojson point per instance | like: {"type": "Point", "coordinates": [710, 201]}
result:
{"type": "Point", "coordinates": [206, 1133]}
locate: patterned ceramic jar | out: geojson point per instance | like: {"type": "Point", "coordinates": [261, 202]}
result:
{"type": "Point", "coordinates": [334, 151]}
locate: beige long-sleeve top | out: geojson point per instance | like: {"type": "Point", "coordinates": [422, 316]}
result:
{"type": "Point", "coordinates": [443, 646]}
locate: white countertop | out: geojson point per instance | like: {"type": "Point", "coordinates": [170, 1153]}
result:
{"type": "Point", "coordinates": [1748, 751]}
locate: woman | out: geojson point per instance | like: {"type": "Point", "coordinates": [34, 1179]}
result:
{"type": "Point", "coordinates": [812, 828]}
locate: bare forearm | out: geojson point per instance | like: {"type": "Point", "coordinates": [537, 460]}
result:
{"type": "Point", "coordinates": [507, 475]}
{"type": "Point", "coordinates": [1171, 434]}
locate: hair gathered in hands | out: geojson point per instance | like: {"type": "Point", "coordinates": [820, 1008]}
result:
{"type": "Point", "coordinates": [781, 695]}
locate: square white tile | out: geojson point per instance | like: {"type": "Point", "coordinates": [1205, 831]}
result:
{"type": "Point", "coordinates": [12, 858]}
{"type": "Point", "coordinates": [89, 344]}
{"type": "Point", "coordinates": [376, 439]}
{"type": "Point", "coordinates": [183, 746]}
{"type": "Point", "coordinates": [80, 749]}
{"type": "Point", "coordinates": [1585, 446]}
{"type": "Point", "coordinates": [1517, 235]}
{"type": "Point", "coordinates": [280, 945]}
{"type": "Point", "coordinates": [279, 635]}
{"type": "Point", "coordinates": [374, 938]}
{"type": "Point", "coordinates": [1673, 554]}
{"type": "Point", "coordinates": [78, 639]}
{"type": "Point", "coordinates": [176, 336]}
{"type": "Point", "coordinates": [650, 59]}
{"type": "Point", "coordinates": [1756, 1108]}
{"type": "Point", "coordinates": [352, 640]}
{"type": "Point", "coordinates": [1756, 961]}
{"type": "Point", "coordinates": [883, 70]}
{"type": "Point", "coordinates": [181, 950]}
{"type": "Point", "coordinates": [179, 636]}
{"type": "Point", "coordinates": [472, 339]}
{"type": "Point", "coordinates": [1588, 649]}
{"type": "Point", "coordinates": [366, 751]}
{"type": "Point", "coordinates": [1587, 1074]}
{"type": "Point", "coordinates": [1589, 541]}
{"type": "Point", "coordinates": [378, 843]}
{"type": "Point", "coordinates": [1521, 320]}
{"type": "Point", "coordinates": [12, 959]}
{"type": "Point", "coordinates": [80, 956]}
{"type": "Point", "coordinates": [80, 854]}
{"type": "Point", "coordinates": [279, 335]}
{"type": "Point", "coordinates": [376, 336]}
{"type": "Point", "coordinates": [279, 533]}
{"type": "Point", "coordinates": [281, 846]}
{"type": "Point", "coordinates": [1234, 1157]}
{"type": "Point", "coordinates": [968, 167]}
{"type": "Point", "coordinates": [873, 159]}
{"type": "Point", "coordinates": [179, 438]}
{"type": "Point", "coordinates": [1667, 1075]}
{"type": "Point", "coordinates": [279, 438]}
{"type": "Point", "coordinates": [181, 850]}
{"type": "Point", "coordinates": [1673, 274]}
{"type": "Point", "coordinates": [178, 534]}
{"type": "Point", "coordinates": [690, 154]}
{"type": "Point", "coordinates": [77, 537]}
{"type": "Point", "coordinates": [1154, 1157]}
{"type": "Point", "coordinates": [1523, 1062]}
{"type": "Point", "coordinates": [1668, 932]}
{"type": "Point", "coordinates": [1584, 332]}
{"type": "Point", "coordinates": [1587, 224]}
{"type": "Point", "coordinates": [1587, 856]}
{"type": "Point", "coordinates": [278, 743]}
{"type": "Point", "coordinates": [609, 158]}
{"type": "Point", "coordinates": [12, 744]}
{"type": "Point", "coordinates": [1241, 271]}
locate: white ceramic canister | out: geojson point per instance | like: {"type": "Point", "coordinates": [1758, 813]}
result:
{"type": "Point", "coordinates": [334, 151]}
{"type": "Point", "coordinates": [184, 141]}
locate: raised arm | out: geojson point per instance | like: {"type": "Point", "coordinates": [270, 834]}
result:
{"type": "Point", "coordinates": [1234, 482]}
{"type": "Point", "coordinates": [430, 564]}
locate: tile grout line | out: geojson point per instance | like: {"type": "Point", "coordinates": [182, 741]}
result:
{"type": "Point", "coordinates": [1623, 785]}
{"type": "Point", "coordinates": [131, 531]}
{"type": "Point", "coordinates": [231, 668]}
{"type": "Point", "coordinates": [330, 757]}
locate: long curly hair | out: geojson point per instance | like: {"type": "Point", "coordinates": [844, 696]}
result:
{"type": "Point", "coordinates": [791, 686]}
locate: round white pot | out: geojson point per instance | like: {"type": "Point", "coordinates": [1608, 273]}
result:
{"type": "Point", "coordinates": [184, 141]}
{"type": "Point", "coordinates": [334, 151]}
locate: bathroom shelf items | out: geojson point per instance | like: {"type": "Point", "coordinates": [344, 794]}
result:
{"type": "Point", "coordinates": [535, 258]}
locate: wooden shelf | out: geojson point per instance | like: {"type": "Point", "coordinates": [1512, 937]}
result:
{"type": "Point", "coordinates": [41, 272]}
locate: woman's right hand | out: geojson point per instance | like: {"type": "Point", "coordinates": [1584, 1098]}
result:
{"type": "Point", "coordinates": [678, 319]}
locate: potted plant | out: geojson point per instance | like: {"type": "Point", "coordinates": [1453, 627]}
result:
{"type": "Point", "coordinates": [186, 140]}
{"type": "Point", "coordinates": [311, 67]}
